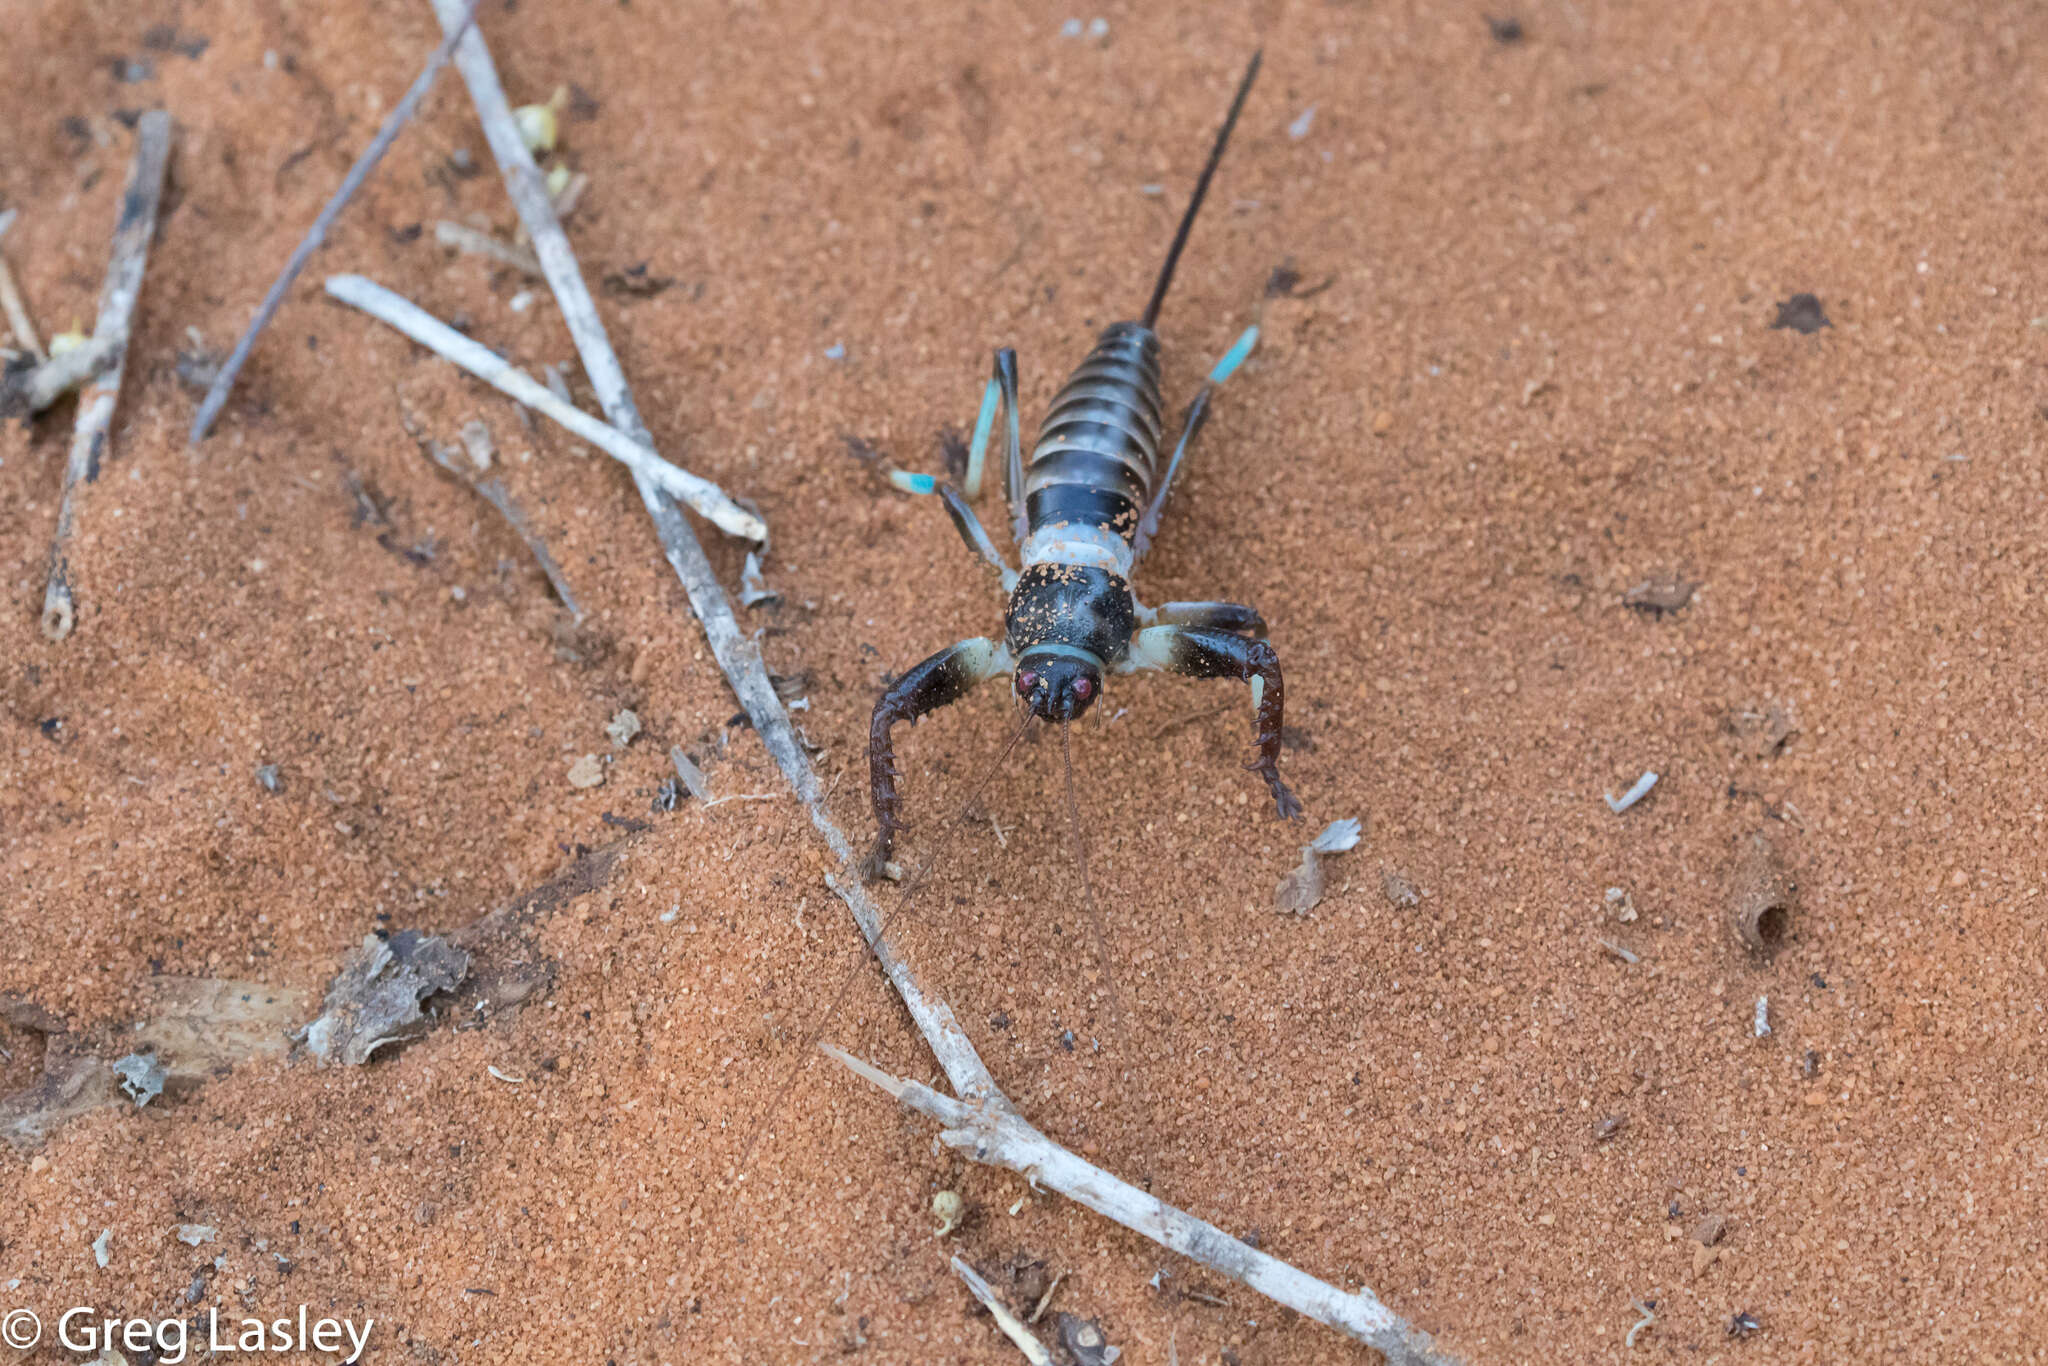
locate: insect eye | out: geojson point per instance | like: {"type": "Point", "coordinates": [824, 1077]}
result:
{"type": "Point", "coordinates": [1082, 688]}
{"type": "Point", "coordinates": [1026, 681]}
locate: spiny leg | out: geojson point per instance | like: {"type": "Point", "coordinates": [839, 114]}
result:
{"type": "Point", "coordinates": [1204, 652]}
{"type": "Point", "coordinates": [1190, 427]}
{"type": "Point", "coordinates": [939, 681]}
{"type": "Point", "coordinates": [971, 531]}
{"type": "Point", "coordinates": [1223, 616]}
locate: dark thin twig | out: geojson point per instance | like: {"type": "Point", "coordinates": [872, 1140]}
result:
{"type": "Point", "coordinates": [400, 115]}
{"type": "Point", "coordinates": [118, 293]}
{"type": "Point", "coordinates": [494, 492]}
{"type": "Point", "coordinates": [737, 656]}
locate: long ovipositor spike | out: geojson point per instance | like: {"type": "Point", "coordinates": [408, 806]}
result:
{"type": "Point", "coordinates": [1235, 356]}
{"type": "Point", "coordinates": [977, 450]}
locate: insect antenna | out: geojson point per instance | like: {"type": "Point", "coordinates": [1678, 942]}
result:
{"type": "Point", "coordinates": [1187, 222]}
{"type": "Point", "coordinates": [1116, 1005]}
{"type": "Point", "coordinates": [889, 922]}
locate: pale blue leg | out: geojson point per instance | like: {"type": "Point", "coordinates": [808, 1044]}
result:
{"type": "Point", "coordinates": [977, 450]}
{"type": "Point", "coordinates": [1198, 413]}
{"type": "Point", "coordinates": [1002, 389]}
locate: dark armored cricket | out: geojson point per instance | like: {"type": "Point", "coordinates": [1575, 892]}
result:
{"type": "Point", "coordinates": [1084, 510]}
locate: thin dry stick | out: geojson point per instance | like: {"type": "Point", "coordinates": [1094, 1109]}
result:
{"type": "Point", "coordinates": [459, 237]}
{"type": "Point", "coordinates": [118, 293]}
{"type": "Point", "coordinates": [1027, 1341]}
{"type": "Point", "coordinates": [10, 299]}
{"type": "Point", "coordinates": [444, 341]}
{"type": "Point", "coordinates": [400, 115]}
{"type": "Point", "coordinates": [38, 388]}
{"type": "Point", "coordinates": [494, 492]}
{"type": "Point", "coordinates": [743, 669]}
{"type": "Point", "coordinates": [737, 656]}
{"type": "Point", "coordinates": [998, 1136]}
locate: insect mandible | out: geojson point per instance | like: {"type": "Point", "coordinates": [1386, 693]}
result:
{"type": "Point", "coordinates": [1084, 509]}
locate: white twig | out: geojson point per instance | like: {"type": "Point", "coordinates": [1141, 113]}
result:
{"type": "Point", "coordinates": [444, 341]}
{"type": "Point", "coordinates": [998, 1136]}
{"type": "Point", "coordinates": [400, 114]}
{"type": "Point", "coordinates": [1635, 794]}
{"type": "Point", "coordinates": [10, 299]}
{"type": "Point", "coordinates": [741, 663]}
{"type": "Point", "coordinates": [133, 230]}
{"type": "Point", "coordinates": [935, 1020]}
{"type": "Point", "coordinates": [1027, 1342]}
{"type": "Point", "coordinates": [38, 388]}
{"type": "Point", "coordinates": [1649, 1317]}
{"type": "Point", "coordinates": [459, 237]}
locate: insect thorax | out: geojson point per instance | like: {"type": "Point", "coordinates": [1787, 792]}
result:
{"type": "Point", "coordinates": [1080, 606]}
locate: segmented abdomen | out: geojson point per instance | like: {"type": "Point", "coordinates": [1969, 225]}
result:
{"type": "Point", "coordinates": [1097, 455]}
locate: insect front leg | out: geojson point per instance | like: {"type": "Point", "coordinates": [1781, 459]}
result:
{"type": "Point", "coordinates": [971, 531]}
{"type": "Point", "coordinates": [1223, 616]}
{"type": "Point", "coordinates": [1205, 652]}
{"type": "Point", "coordinates": [940, 681]}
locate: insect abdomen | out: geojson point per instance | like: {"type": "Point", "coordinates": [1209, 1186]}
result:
{"type": "Point", "coordinates": [1097, 455]}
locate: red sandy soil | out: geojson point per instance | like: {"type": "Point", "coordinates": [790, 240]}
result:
{"type": "Point", "coordinates": [1528, 365]}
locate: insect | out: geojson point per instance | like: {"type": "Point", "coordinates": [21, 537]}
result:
{"type": "Point", "coordinates": [1084, 509]}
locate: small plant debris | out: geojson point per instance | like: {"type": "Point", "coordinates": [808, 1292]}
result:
{"type": "Point", "coordinates": [1398, 890]}
{"type": "Point", "coordinates": [1084, 1340]}
{"type": "Point", "coordinates": [100, 1246]}
{"type": "Point", "coordinates": [1609, 1128]}
{"type": "Point", "coordinates": [635, 283]}
{"type": "Point", "coordinates": [197, 368]}
{"type": "Point", "coordinates": [1636, 793]}
{"type": "Point", "coordinates": [692, 776]}
{"type": "Point", "coordinates": [1661, 594]}
{"type": "Point", "coordinates": [754, 589]}
{"type": "Point", "coordinates": [1765, 894]}
{"type": "Point", "coordinates": [169, 38]}
{"type": "Point", "coordinates": [1743, 1323]}
{"type": "Point", "coordinates": [192, 1235]}
{"type": "Point", "coordinates": [622, 728]}
{"type": "Point", "coordinates": [1284, 282]}
{"type": "Point", "coordinates": [587, 771]}
{"type": "Point", "coordinates": [142, 1077]}
{"type": "Point", "coordinates": [1803, 314]}
{"type": "Point", "coordinates": [375, 998]}
{"type": "Point", "coordinates": [1621, 905]}
{"type": "Point", "coordinates": [1648, 1310]}
{"type": "Point", "coordinates": [1761, 732]}
{"type": "Point", "coordinates": [1301, 890]}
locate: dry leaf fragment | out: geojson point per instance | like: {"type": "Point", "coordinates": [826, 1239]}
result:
{"type": "Point", "coordinates": [1301, 889]}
